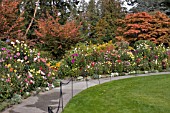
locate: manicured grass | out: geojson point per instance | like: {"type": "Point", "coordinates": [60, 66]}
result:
{"type": "Point", "coordinates": [149, 94]}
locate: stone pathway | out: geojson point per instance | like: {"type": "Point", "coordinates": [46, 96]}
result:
{"type": "Point", "coordinates": [40, 102]}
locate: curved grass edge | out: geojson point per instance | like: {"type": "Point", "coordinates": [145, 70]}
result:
{"type": "Point", "coordinates": [81, 94]}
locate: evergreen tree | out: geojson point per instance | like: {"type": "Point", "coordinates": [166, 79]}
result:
{"type": "Point", "coordinates": [92, 17]}
{"type": "Point", "coordinates": [82, 16]}
{"type": "Point", "coordinates": [150, 5]}
{"type": "Point", "coordinates": [110, 11]}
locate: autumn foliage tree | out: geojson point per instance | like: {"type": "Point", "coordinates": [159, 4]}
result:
{"type": "Point", "coordinates": [11, 21]}
{"type": "Point", "coordinates": [56, 37]}
{"type": "Point", "coordinates": [144, 26]}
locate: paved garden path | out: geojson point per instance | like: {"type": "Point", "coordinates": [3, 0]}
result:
{"type": "Point", "coordinates": [40, 102]}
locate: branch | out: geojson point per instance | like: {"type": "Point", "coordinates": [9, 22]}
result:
{"type": "Point", "coordinates": [35, 11]}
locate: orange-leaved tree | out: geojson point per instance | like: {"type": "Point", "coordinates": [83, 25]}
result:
{"type": "Point", "coordinates": [11, 20]}
{"type": "Point", "coordinates": [144, 26]}
{"type": "Point", "coordinates": [56, 37]}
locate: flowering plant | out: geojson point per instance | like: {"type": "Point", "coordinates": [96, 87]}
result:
{"type": "Point", "coordinates": [119, 58]}
{"type": "Point", "coordinates": [23, 70]}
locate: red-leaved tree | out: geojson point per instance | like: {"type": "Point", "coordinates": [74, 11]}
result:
{"type": "Point", "coordinates": [144, 26]}
{"type": "Point", "coordinates": [56, 37]}
{"type": "Point", "coordinates": [11, 21]}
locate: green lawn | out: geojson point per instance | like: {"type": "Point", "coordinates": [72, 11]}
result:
{"type": "Point", "coordinates": [149, 94]}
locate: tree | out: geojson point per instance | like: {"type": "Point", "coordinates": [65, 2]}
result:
{"type": "Point", "coordinates": [110, 11]}
{"type": "Point", "coordinates": [144, 26]}
{"type": "Point", "coordinates": [63, 7]}
{"type": "Point", "coordinates": [100, 19]}
{"type": "Point", "coordinates": [150, 5]}
{"type": "Point", "coordinates": [56, 37]}
{"type": "Point", "coordinates": [11, 20]}
{"type": "Point", "coordinates": [29, 7]}
{"type": "Point", "coordinates": [111, 7]}
{"type": "Point", "coordinates": [92, 14]}
{"type": "Point", "coordinates": [166, 9]}
{"type": "Point", "coordinates": [82, 17]}
{"type": "Point", "coordinates": [92, 17]}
